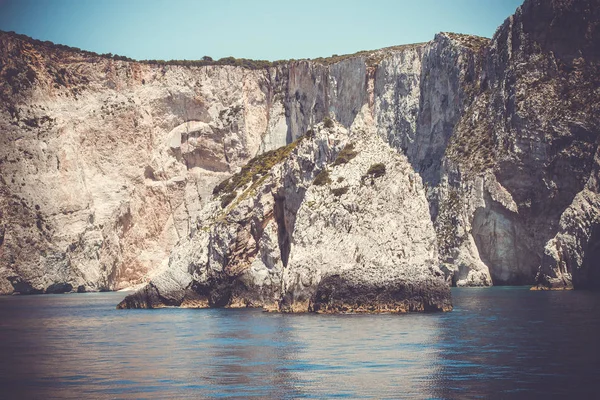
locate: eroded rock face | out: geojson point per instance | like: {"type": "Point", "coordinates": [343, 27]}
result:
{"type": "Point", "coordinates": [366, 236]}
{"type": "Point", "coordinates": [571, 257]}
{"type": "Point", "coordinates": [108, 167]}
{"type": "Point", "coordinates": [105, 164]}
{"type": "Point", "coordinates": [358, 240]}
{"type": "Point", "coordinates": [532, 132]}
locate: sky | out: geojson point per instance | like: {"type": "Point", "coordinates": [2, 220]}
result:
{"type": "Point", "coordinates": [255, 29]}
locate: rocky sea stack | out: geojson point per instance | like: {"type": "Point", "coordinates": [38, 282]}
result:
{"type": "Point", "coordinates": [361, 183]}
{"type": "Point", "coordinates": [334, 222]}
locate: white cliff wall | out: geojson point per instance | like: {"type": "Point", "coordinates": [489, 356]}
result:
{"type": "Point", "coordinates": [107, 165]}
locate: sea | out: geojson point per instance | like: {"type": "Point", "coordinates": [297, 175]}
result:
{"type": "Point", "coordinates": [500, 342]}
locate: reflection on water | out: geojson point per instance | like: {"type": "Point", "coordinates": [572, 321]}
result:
{"type": "Point", "coordinates": [358, 355]}
{"type": "Point", "coordinates": [505, 342]}
{"type": "Point", "coordinates": [250, 355]}
{"type": "Point", "coordinates": [510, 342]}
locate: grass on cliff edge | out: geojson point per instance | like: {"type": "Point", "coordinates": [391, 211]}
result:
{"type": "Point", "coordinates": [473, 42]}
{"type": "Point", "coordinates": [253, 171]}
{"type": "Point", "coordinates": [373, 57]}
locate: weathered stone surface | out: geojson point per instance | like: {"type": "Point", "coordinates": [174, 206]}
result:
{"type": "Point", "coordinates": [373, 233]}
{"type": "Point", "coordinates": [286, 242]}
{"type": "Point", "coordinates": [106, 163]}
{"type": "Point", "coordinates": [532, 132]}
{"type": "Point", "coordinates": [339, 294]}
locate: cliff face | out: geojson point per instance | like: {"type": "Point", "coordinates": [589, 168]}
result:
{"type": "Point", "coordinates": [108, 167]}
{"type": "Point", "coordinates": [525, 147]}
{"type": "Point", "coordinates": [106, 163]}
{"type": "Point", "coordinates": [334, 222]}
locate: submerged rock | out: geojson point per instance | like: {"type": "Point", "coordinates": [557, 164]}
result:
{"type": "Point", "coordinates": [57, 288]}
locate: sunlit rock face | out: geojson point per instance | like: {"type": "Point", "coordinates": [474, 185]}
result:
{"type": "Point", "coordinates": [108, 169]}
{"type": "Point", "coordinates": [105, 164]}
{"type": "Point", "coordinates": [338, 223]}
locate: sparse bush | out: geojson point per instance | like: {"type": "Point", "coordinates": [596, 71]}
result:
{"type": "Point", "coordinates": [328, 123]}
{"type": "Point", "coordinates": [322, 178]}
{"type": "Point", "coordinates": [345, 155]}
{"type": "Point", "coordinates": [236, 109]}
{"type": "Point", "coordinates": [339, 191]}
{"type": "Point", "coordinates": [221, 186]}
{"type": "Point", "coordinates": [207, 60]}
{"type": "Point", "coordinates": [228, 198]}
{"type": "Point", "coordinates": [372, 57]}
{"type": "Point", "coordinates": [31, 75]}
{"type": "Point", "coordinates": [340, 179]}
{"type": "Point", "coordinates": [254, 169]}
{"type": "Point", "coordinates": [376, 170]}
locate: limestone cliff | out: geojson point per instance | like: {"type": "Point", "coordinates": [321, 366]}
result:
{"type": "Point", "coordinates": [522, 156]}
{"type": "Point", "coordinates": [108, 168]}
{"type": "Point", "coordinates": [105, 164]}
{"type": "Point", "coordinates": [334, 222]}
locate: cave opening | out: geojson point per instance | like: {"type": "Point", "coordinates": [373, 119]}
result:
{"type": "Point", "coordinates": [504, 246]}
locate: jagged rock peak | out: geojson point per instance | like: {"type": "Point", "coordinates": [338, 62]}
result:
{"type": "Point", "coordinates": [335, 222]}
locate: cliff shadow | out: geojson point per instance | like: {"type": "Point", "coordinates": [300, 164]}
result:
{"type": "Point", "coordinates": [504, 245]}
{"type": "Point", "coordinates": [588, 275]}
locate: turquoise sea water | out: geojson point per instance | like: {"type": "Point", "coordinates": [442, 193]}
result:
{"type": "Point", "coordinates": [497, 343]}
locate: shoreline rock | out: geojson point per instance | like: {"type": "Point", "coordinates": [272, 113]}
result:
{"type": "Point", "coordinates": [370, 247]}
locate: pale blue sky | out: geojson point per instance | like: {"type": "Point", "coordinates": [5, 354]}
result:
{"type": "Point", "coordinates": [260, 29]}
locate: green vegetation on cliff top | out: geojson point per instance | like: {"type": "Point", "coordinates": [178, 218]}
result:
{"type": "Point", "coordinates": [373, 57]}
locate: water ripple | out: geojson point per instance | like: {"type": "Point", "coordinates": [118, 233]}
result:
{"type": "Point", "coordinates": [499, 342]}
